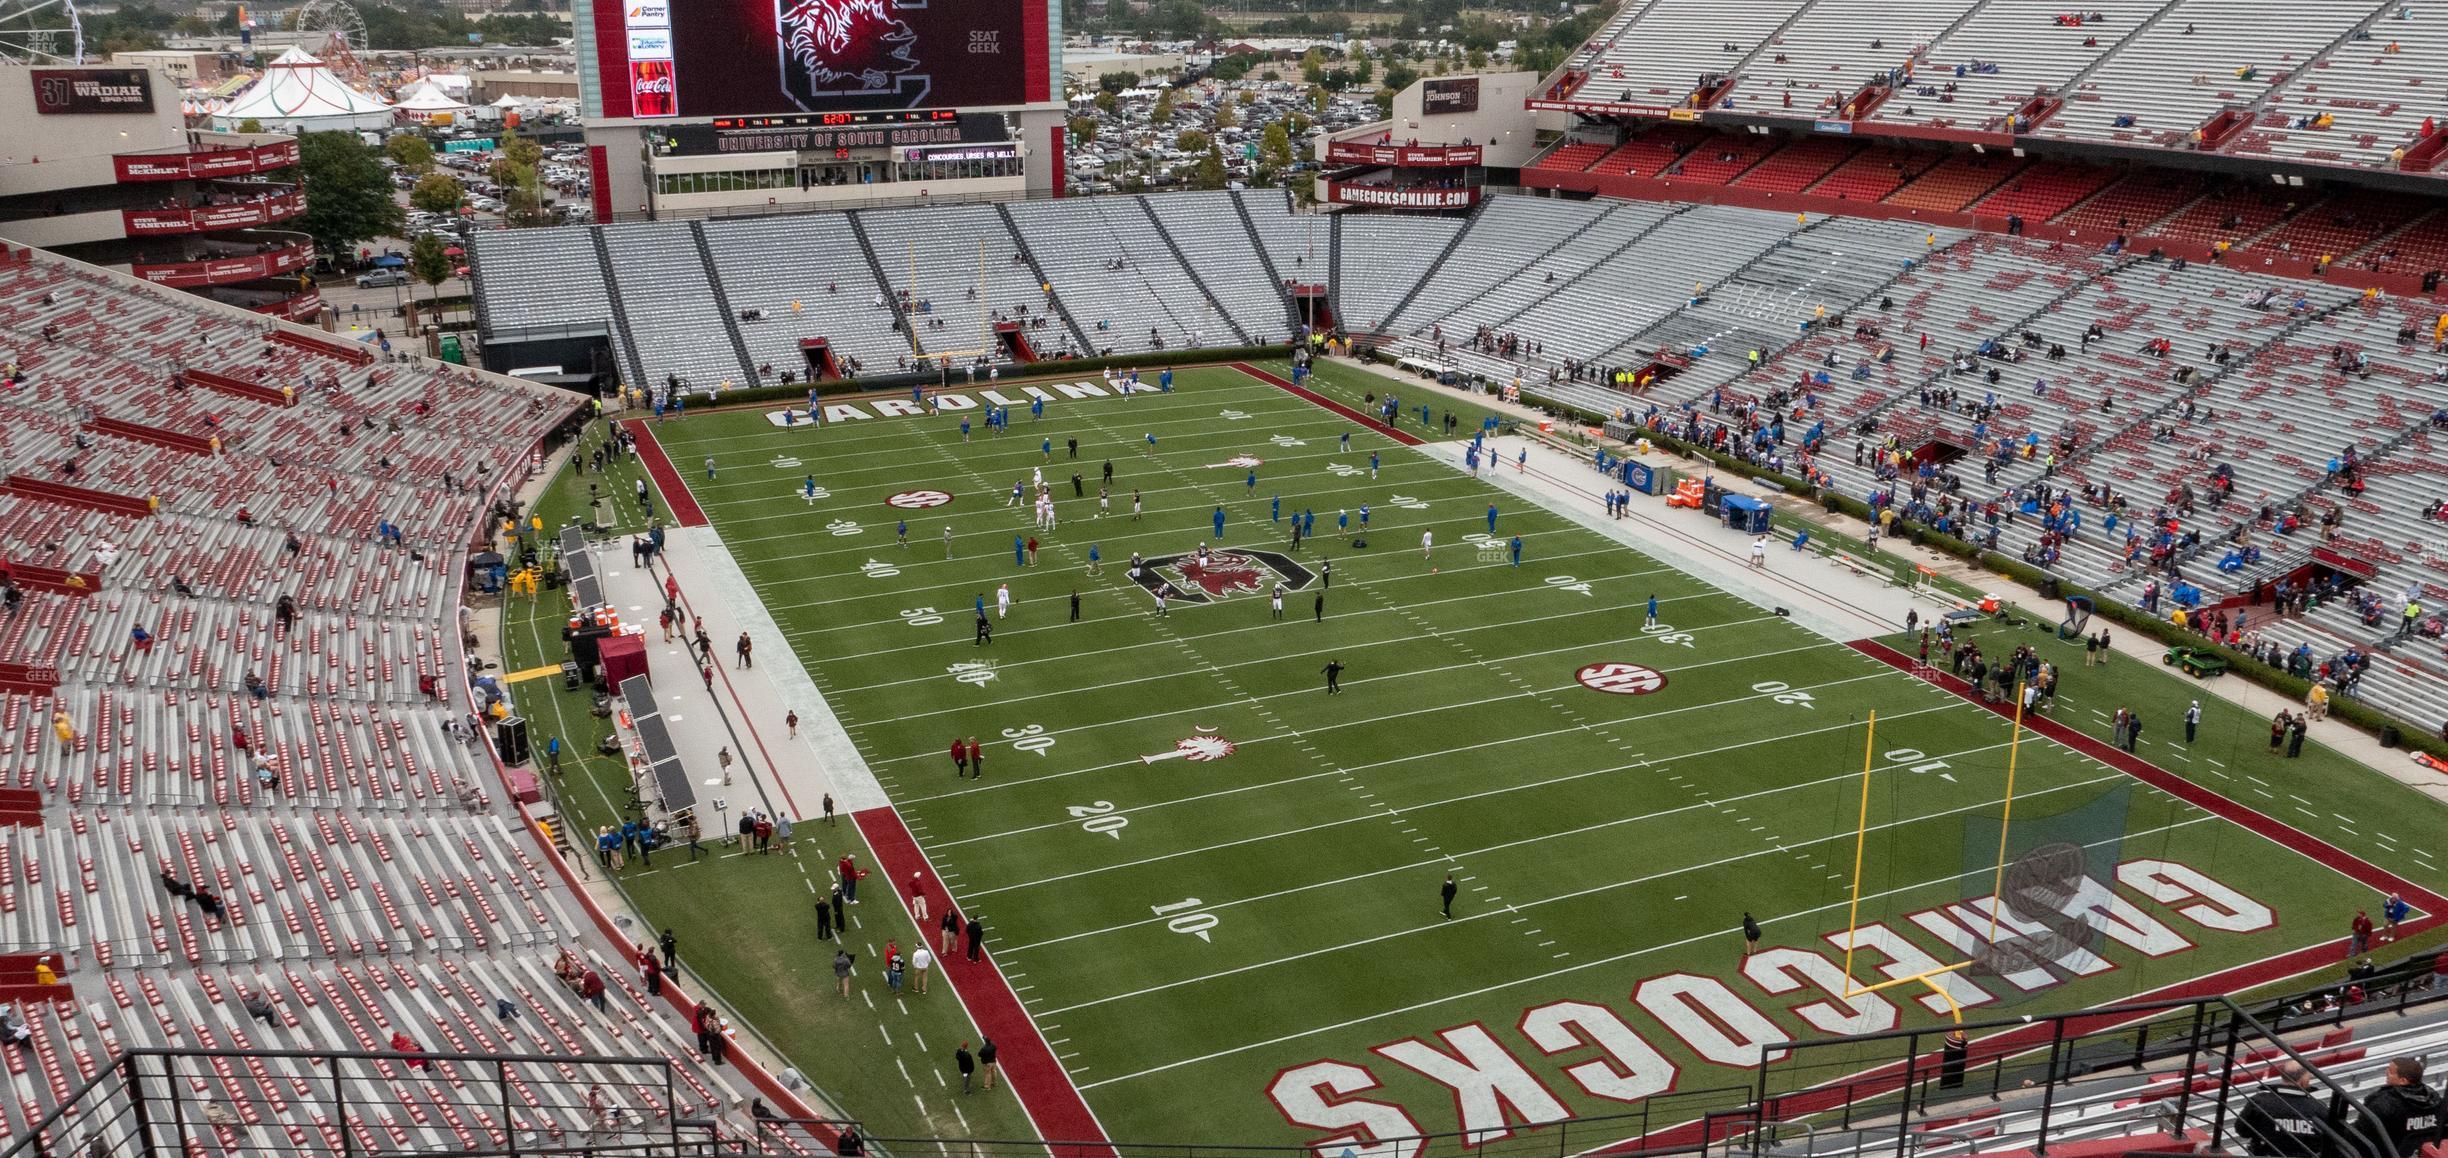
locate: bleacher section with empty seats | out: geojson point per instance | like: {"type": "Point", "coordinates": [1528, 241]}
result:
{"type": "Point", "coordinates": [773, 264]}
{"type": "Point", "coordinates": [372, 878]}
{"type": "Point", "coordinates": [679, 330]}
{"type": "Point", "coordinates": [2200, 57]}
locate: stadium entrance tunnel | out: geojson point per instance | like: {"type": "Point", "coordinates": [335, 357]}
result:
{"type": "Point", "coordinates": [1310, 300]}
{"type": "Point", "coordinates": [822, 366]}
{"type": "Point", "coordinates": [1940, 451]}
{"type": "Point", "coordinates": [1014, 342]}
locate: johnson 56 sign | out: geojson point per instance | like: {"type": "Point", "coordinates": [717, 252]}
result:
{"type": "Point", "coordinates": [92, 90]}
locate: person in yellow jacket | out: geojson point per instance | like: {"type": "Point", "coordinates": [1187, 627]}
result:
{"type": "Point", "coordinates": [64, 727]}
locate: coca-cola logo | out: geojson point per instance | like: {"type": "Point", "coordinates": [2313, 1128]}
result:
{"type": "Point", "coordinates": [660, 85]}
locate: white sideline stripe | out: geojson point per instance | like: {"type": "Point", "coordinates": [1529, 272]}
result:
{"type": "Point", "coordinates": [1346, 770]}
{"type": "Point", "coordinates": [1501, 847]}
{"type": "Point", "coordinates": [1515, 906]}
{"type": "Point", "coordinates": [1549, 975]}
{"type": "Point", "coordinates": [1414, 808]}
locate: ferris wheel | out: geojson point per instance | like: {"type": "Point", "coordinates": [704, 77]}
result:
{"type": "Point", "coordinates": [41, 32]}
{"type": "Point", "coordinates": [344, 31]}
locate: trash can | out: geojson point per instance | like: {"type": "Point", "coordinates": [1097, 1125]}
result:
{"type": "Point", "coordinates": [2390, 737]}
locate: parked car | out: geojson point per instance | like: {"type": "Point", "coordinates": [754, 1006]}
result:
{"type": "Point", "coordinates": [379, 278]}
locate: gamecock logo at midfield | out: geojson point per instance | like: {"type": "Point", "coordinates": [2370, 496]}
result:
{"type": "Point", "coordinates": [836, 48]}
{"type": "Point", "coordinates": [1227, 573]}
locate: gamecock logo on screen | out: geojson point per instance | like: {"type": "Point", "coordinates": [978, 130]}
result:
{"type": "Point", "coordinates": [837, 52]}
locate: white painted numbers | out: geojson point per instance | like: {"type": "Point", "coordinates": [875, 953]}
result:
{"type": "Point", "coordinates": [1029, 739]}
{"type": "Point", "coordinates": [1195, 922]}
{"type": "Point", "coordinates": [1099, 816]}
{"type": "Point", "coordinates": [920, 616]}
{"type": "Point", "coordinates": [1784, 694]}
{"type": "Point", "coordinates": [1666, 634]}
{"type": "Point", "coordinates": [874, 569]}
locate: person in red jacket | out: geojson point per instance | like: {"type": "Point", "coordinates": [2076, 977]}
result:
{"type": "Point", "coordinates": [652, 970]}
{"type": "Point", "coordinates": [977, 760]}
{"type": "Point", "coordinates": [960, 758]}
{"type": "Point", "coordinates": [591, 987]}
{"type": "Point", "coordinates": [2362, 934]}
{"type": "Point", "coordinates": [402, 1043]}
{"type": "Point", "coordinates": [850, 874]}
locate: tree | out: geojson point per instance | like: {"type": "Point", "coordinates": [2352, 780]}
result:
{"type": "Point", "coordinates": [1225, 118]}
{"type": "Point", "coordinates": [1275, 146]}
{"type": "Point", "coordinates": [1163, 113]}
{"type": "Point", "coordinates": [523, 197]}
{"type": "Point", "coordinates": [411, 152]}
{"type": "Point", "coordinates": [1362, 69]}
{"type": "Point", "coordinates": [437, 193]}
{"type": "Point", "coordinates": [520, 150]}
{"type": "Point", "coordinates": [1083, 130]}
{"type": "Point", "coordinates": [1106, 103]}
{"type": "Point", "coordinates": [531, 28]}
{"type": "Point", "coordinates": [1383, 98]}
{"type": "Point", "coordinates": [1210, 173]}
{"type": "Point", "coordinates": [1400, 76]}
{"type": "Point", "coordinates": [1191, 141]}
{"type": "Point", "coordinates": [348, 196]}
{"type": "Point", "coordinates": [1114, 82]}
{"type": "Point", "coordinates": [1313, 66]}
{"type": "Point", "coordinates": [429, 264]}
{"type": "Point", "coordinates": [250, 125]}
{"type": "Point", "coordinates": [1318, 99]}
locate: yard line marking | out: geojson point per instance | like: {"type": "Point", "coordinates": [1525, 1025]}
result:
{"type": "Point", "coordinates": [933, 643]}
{"type": "Point", "coordinates": [963, 708]}
{"type": "Point", "coordinates": [1503, 846]}
{"type": "Point", "coordinates": [1134, 762]}
{"type": "Point", "coordinates": [1430, 804]}
{"type": "Point", "coordinates": [1549, 975]}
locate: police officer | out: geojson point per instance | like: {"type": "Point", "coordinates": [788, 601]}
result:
{"type": "Point", "coordinates": [2285, 1121]}
{"type": "Point", "coordinates": [2405, 1109]}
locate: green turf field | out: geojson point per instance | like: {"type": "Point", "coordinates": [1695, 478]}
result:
{"type": "Point", "coordinates": [1216, 887]}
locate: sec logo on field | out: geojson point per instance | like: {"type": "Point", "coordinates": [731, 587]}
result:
{"type": "Point", "coordinates": [918, 500]}
{"type": "Point", "coordinates": [1622, 679]}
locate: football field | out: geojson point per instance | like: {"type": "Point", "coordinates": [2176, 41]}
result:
{"type": "Point", "coordinates": [1217, 889]}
